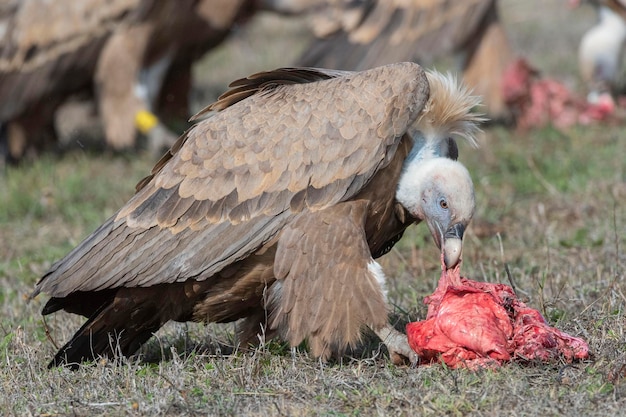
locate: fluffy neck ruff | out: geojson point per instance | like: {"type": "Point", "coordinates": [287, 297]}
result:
{"type": "Point", "coordinates": [448, 111]}
{"type": "Point", "coordinates": [447, 114]}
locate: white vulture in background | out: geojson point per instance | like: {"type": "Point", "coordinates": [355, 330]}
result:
{"type": "Point", "coordinates": [273, 209]}
{"type": "Point", "coordinates": [601, 50]}
{"type": "Point", "coordinates": [134, 56]}
{"type": "Point", "coordinates": [361, 34]}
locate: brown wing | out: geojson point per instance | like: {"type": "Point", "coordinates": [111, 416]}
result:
{"type": "Point", "coordinates": [236, 178]}
{"type": "Point", "coordinates": [50, 45]}
{"type": "Point", "coordinates": [397, 30]}
{"type": "Point", "coordinates": [327, 291]}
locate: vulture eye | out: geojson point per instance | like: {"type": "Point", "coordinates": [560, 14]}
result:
{"type": "Point", "coordinates": [443, 204]}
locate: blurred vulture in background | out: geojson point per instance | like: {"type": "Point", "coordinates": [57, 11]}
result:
{"type": "Point", "coordinates": [133, 56]}
{"type": "Point", "coordinates": [601, 50]}
{"type": "Point", "coordinates": [361, 34]}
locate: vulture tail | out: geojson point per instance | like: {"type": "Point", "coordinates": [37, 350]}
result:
{"type": "Point", "coordinates": [117, 328]}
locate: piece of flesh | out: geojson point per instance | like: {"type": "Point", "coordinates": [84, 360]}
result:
{"type": "Point", "coordinates": [478, 324]}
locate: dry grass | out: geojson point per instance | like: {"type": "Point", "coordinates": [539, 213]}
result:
{"type": "Point", "coordinates": [550, 207]}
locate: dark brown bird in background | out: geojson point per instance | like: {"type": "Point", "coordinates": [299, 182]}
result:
{"type": "Point", "coordinates": [273, 209]}
{"type": "Point", "coordinates": [134, 56]}
{"type": "Point", "coordinates": [361, 34]}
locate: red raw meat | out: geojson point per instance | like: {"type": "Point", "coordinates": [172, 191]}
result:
{"type": "Point", "coordinates": [537, 102]}
{"type": "Point", "coordinates": [478, 324]}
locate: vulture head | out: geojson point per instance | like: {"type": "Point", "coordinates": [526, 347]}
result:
{"type": "Point", "coordinates": [440, 192]}
{"type": "Point", "coordinates": [434, 187]}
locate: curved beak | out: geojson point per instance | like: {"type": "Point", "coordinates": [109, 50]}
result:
{"type": "Point", "coordinates": [449, 242]}
{"type": "Point", "coordinates": [453, 245]}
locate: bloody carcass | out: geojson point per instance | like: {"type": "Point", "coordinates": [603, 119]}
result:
{"type": "Point", "coordinates": [478, 324]}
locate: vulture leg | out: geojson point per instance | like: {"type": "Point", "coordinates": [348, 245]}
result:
{"type": "Point", "coordinates": [148, 89]}
{"type": "Point", "coordinates": [118, 69]}
{"type": "Point", "coordinates": [172, 104]}
{"type": "Point", "coordinates": [328, 285]}
{"type": "Point", "coordinates": [30, 132]}
{"type": "Point", "coordinates": [126, 90]}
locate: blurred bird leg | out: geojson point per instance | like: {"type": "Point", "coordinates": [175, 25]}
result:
{"type": "Point", "coordinates": [145, 121]}
{"type": "Point", "coordinates": [147, 91]}
{"type": "Point", "coordinates": [4, 148]}
{"type": "Point", "coordinates": [125, 84]}
{"type": "Point", "coordinates": [151, 79]}
{"type": "Point", "coordinates": [397, 345]}
{"type": "Point", "coordinates": [159, 137]}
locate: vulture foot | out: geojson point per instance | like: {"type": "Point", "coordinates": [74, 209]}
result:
{"type": "Point", "coordinates": [397, 344]}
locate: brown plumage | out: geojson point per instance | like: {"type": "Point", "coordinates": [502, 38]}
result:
{"type": "Point", "coordinates": [359, 35]}
{"type": "Point", "coordinates": [108, 49]}
{"type": "Point", "coordinates": [272, 209]}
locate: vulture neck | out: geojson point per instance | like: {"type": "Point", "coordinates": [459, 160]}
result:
{"type": "Point", "coordinates": [426, 147]}
{"type": "Point", "coordinates": [411, 180]}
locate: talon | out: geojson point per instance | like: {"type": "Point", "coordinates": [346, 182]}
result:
{"type": "Point", "coordinates": [398, 346]}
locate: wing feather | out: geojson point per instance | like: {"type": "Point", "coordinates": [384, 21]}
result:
{"type": "Point", "coordinates": [388, 119]}
{"type": "Point", "coordinates": [191, 219]}
{"type": "Point", "coordinates": [327, 292]}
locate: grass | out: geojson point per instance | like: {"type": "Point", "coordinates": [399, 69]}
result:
{"type": "Point", "coordinates": [550, 207]}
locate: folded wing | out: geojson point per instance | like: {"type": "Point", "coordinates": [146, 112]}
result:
{"type": "Point", "coordinates": [236, 179]}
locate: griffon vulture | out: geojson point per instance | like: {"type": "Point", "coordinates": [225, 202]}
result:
{"type": "Point", "coordinates": [273, 209]}
{"type": "Point", "coordinates": [357, 35]}
{"type": "Point", "coordinates": [601, 50]}
{"type": "Point", "coordinates": [134, 56]}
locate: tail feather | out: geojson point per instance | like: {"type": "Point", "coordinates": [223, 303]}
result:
{"type": "Point", "coordinates": [117, 328]}
{"type": "Point", "coordinates": [86, 304]}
